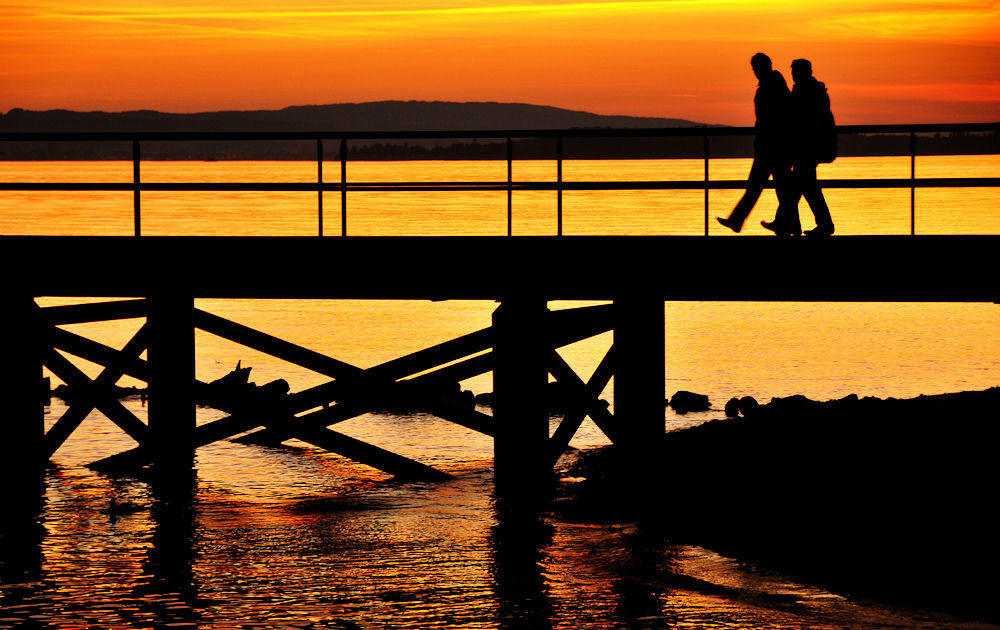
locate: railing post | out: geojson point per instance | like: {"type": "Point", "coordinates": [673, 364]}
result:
{"type": "Point", "coordinates": [913, 184]}
{"type": "Point", "coordinates": [559, 181]}
{"type": "Point", "coordinates": [136, 156]}
{"type": "Point", "coordinates": [510, 187]}
{"type": "Point", "coordinates": [343, 186]}
{"type": "Point", "coordinates": [319, 182]}
{"type": "Point", "coordinates": [706, 183]}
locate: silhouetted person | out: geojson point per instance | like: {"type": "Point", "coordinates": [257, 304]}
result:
{"type": "Point", "coordinates": [770, 144]}
{"type": "Point", "coordinates": [814, 141]}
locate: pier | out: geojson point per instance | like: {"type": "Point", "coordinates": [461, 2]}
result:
{"type": "Point", "coordinates": [163, 276]}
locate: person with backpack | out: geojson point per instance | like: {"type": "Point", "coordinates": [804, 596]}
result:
{"type": "Point", "coordinates": [770, 144]}
{"type": "Point", "coordinates": [814, 142]}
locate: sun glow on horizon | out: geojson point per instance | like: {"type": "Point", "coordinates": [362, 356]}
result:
{"type": "Point", "coordinates": [672, 58]}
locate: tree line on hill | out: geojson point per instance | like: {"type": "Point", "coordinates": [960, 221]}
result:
{"type": "Point", "coordinates": [531, 148]}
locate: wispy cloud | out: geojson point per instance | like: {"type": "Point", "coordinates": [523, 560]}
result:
{"type": "Point", "coordinates": [920, 21]}
{"type": "Point", "coordinates": [677, 19]}
{"type": "Point", "coordinates": [942, 91]}
{"type": "Point", "coordinates": [390, 11]}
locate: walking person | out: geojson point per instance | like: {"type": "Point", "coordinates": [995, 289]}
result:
{"type": "Point", "coordinates": [771, 104]}
{"type": "Point", "coordinates": [815, 142]}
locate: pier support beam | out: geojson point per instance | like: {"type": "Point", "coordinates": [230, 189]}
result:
{"type": "Point", "coordinates": [639, 370]}
{"type": "Point", "coordinates": [521, 351]}
{"type": "Point", "coordinates": [171, 381]}
{"type": "Point", "coordinates": [22, 413]}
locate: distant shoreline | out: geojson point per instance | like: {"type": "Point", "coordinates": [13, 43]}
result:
{"type": "Point", "coordinates": [528, 149]}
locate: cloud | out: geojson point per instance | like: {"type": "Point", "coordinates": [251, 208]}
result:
{"type": "Point", "coordinates": [684, 20]}
{"type": "Point", "coordinates": [942, 91]}
{"type": "Point", "coordinates": [967, 21]}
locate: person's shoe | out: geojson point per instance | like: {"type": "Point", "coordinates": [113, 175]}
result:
{"type": "Point", "coordinates": [820, 231]}
{"type": "Point", "coordinates": [780, 230]}
{"type": "Point", "coordinates": [729, 223]}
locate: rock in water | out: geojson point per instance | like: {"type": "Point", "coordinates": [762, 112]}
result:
{"type": "Point", "coordinates": [733, 407]}
{"type": "Point", "coordinates": [748, 405]}
{"type": "Point", "coordinates": [684, 401]}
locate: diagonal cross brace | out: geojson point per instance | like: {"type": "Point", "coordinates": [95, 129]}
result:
{"type": "Point", "coordinates": [570, 325]}
{"type": "Point", "coordinates": [315, 432]}
{"type": "Point", "coordinates": [249, 419]}
{"type": "Point", "coordinates": [350, 377]}
{"type": "Point", "coordinates": [274, 346]}
{"type": "Point", "coordinates": [110, 407]}
{"type": "Point", "coordinates": [412, 390]}
{"type": "Point", "coordinates": [78, 411]}
{"type": "Point", "coordinates": [129, 364]}
{"type": "Point", "coordinates": [95, 312]}
{"type": "Point", "coordinates": [369, 454]}
{"type": "Point", "coordinates": [327, 439]}
{"type": "Point", "coordinates": [307, 399]}
{"type": "Point", "coordinates": [95, 352]}
{"type": "Point", "coordinates": [586, 403]}
{"type": "Point", "coordinates": [317, 435]}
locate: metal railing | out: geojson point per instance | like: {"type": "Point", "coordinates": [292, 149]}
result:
{"type": "Point", "coordinates": [137, 186]}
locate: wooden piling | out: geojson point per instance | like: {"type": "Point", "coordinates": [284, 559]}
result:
{"type": "Point", "coordinates": [521, 351]}
{"type": "Point", "coordinates": [22, 427]}
{"type": "Point", "coordinates": [639, 360]}
{"type": "Point", "coordinates": [171, 358]}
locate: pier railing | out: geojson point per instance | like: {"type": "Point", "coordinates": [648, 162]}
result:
{"type": "Point", "coordinates": [342, 187]}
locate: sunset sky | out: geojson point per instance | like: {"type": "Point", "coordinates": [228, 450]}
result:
{"type": "Point", "coordinates": [883, 60]}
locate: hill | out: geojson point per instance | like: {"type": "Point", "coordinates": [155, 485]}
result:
{"type": "Point", "coordinates": [353, 117]}
{"type": "Point", "coordinates": [406, 116]}
{"type": "Point", "coordinates": [375, 116]}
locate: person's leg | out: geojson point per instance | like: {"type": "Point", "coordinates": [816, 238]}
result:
{"type": "Point", "coordinates": [759, 173]}
{"type": "Point", "coordinates": [814, 196]}
{"type": "Point", "coordinates": [788, 193]}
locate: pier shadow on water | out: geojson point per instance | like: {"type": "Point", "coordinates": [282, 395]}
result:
{"type": "Point", "coordinates": [21, 533]}
{"type": "Point", "coordinates": [518, 552]}
{"type": "Point", "coordinates": [183, 553]}
{"type": "Point", "coordinates": [162, 589]}
{"type": "Point", "coordinates": [174, 538]}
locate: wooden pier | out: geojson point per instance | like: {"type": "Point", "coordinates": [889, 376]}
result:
{"type": "Point", "coordinates": [635, 275]}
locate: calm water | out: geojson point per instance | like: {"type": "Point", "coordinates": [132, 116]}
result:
{"type": "Point", "coordinates": [953, 211]}
{"type": "Point", "coordinates": [300, 538]}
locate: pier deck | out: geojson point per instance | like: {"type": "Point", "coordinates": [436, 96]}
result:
{"type": "Point", "coordinates": [841, 268]}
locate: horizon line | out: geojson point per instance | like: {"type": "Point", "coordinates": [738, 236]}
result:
{"type": "Point", "coordinates": [428, 102]}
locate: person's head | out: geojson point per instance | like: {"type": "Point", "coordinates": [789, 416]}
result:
{"type": "Point", "coordinates": [801, 69]}
{"type": "Point", "coordinates": [761, 65]}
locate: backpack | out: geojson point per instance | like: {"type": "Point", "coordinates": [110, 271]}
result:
{"type": "Point", "coordinates": [826, 144]}
{"type": "Point", "coordinates": [826, 135]}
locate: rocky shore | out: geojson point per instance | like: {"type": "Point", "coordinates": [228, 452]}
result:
{"type": "Point", "coordinates": [892, 499]}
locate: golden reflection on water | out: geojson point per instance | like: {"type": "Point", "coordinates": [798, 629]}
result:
{"type": "Point", "coordinates": [878, 211]}
{"type": "Point", "coordinates": [380, 555]}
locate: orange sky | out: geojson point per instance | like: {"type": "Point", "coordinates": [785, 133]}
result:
{"type": "Point", "coordinates": [883, 61]}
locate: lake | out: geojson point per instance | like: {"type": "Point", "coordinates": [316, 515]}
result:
{"type": "Point", "coordinates": [297, 537]}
